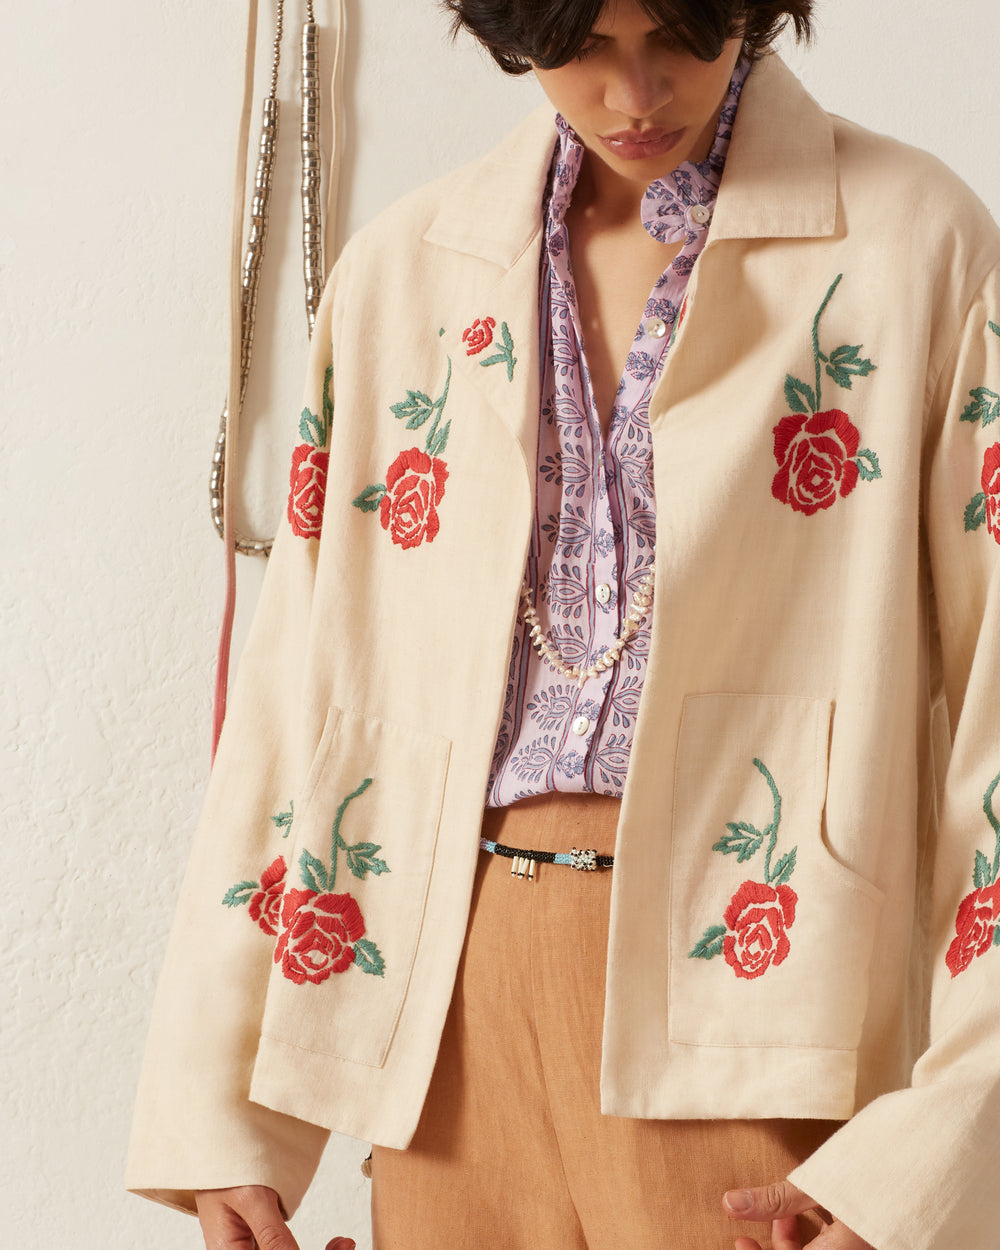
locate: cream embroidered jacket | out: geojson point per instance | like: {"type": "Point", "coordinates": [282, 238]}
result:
{"type": "Point", "coordinates": [808, 861]}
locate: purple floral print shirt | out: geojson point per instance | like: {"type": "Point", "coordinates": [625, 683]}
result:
{"type": "Point", "coordinates": [595, 518]}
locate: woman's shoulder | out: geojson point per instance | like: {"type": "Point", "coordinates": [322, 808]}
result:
{"type": "Point", "coordinates": [904, 180]}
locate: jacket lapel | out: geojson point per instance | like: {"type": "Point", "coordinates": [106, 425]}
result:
{"type": "Point", "coordinates": [495, 220]}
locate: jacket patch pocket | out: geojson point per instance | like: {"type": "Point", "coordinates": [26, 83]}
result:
{"type": "Point", "coordinates": [363, 837]}
{"type": "Point", "coordinates": [771, 936]}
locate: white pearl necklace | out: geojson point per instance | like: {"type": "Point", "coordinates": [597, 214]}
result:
{"type": "Point", "coordinates": [642, 601]}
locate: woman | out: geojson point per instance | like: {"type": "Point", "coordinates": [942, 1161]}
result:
{"type": "Point", "coordinates": [775, 768]}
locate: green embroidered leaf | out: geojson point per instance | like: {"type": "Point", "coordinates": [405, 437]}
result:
{"type": "Point", "coordinates": [784, 868]}
{"type": "Point", "coordinates": [284, 819]}
{"type": "Point", "coordinates": [868, 466]}
{"type": "Point", "coordinates": [799, 395]}
{"type": "Point", "coordinates": [996, 330]}
{"type": "Point", "coordinates": [312, 429]}
{"type": "Point", "coordinates": [361, 859]}
{"type": "Point", "coordinates": [240, 894]}
{"type": "Point", "coordinates": [504, 354]}
{"type": "Point", "coordinates": [710, 944]}
{"type": "Point", "coordinates": [370, 497]}
{"type": "Point", "coordinates": [975, 512]}
{"type": "Point", "coordinates": [416, 408]}
{"type": "Point", "coordinates": [985, 406]}
{"type": "Point", "coordinates": [437, 440]}
{"type": "Point", "coordinates": [368, 957]}
{"type": "Point", "coordinates": [982, 876]}
{"type": "Point", "coordinates": [742, 840]}
{"type": "Point", "coordinates": [996, 936]}
{"type": "Point", "coordinates": [845, 363]}
{"type": "Point", "coordinates": [327, 401]}
{"type": "Point", "coordinates": [313, 873]}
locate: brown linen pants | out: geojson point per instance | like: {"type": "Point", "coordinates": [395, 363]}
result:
{"type": "Point", "coordinates": [512, 1152]}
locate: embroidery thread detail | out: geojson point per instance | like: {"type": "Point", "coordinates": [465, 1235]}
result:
{"type": "Point", "coordinates": [319, 932]}
{"type": "Point", "coordinates": [754, 936]}
{"type": "Point", "coordinates": [504, 354]}
{"type": "Point", "coordinates": [984, 508]}
{"type": "Point", "coordinates": [478, 336]}
{"type": "Point", "coordinates": [408, 499]}
{"type": "Point", "coordinates": [976, 928]}
{"type": "Point", "coordinates": [818, 452]}
{"type": "Point", "coordinates": [310, 464]}
{"type": "Point", "coordinates": [283, 820]}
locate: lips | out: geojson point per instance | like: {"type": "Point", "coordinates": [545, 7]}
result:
{"type": "Point", "coordinates": [639, 145]}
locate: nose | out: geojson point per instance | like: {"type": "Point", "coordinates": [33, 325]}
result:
{"type": "Point", "coordinates": [637, 87]}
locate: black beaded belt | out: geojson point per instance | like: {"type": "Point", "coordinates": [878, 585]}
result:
{"type": "Point", "coordinates": [525, 861]}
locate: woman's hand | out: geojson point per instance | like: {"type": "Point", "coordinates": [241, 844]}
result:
{"type": "Point", "coordinates": [247, 1218]}
{"type": "Point", "coordinates": [780, 1204]}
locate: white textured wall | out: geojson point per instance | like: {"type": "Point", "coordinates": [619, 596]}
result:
{"type": "Point", "coordinates": [117, 149]}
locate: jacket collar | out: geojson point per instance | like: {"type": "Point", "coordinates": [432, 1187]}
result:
{"type": "Point", "coordinates": [780, 179]}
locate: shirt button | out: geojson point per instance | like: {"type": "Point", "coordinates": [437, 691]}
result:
{"type": "Point", "coordinates": [656, 327]}
{"type": "Point", "coordinates": [604, 593]}
{"type": "Point", "coordinates": [700, 214]}
{"type": "Point", "coordinates": [581, 725]}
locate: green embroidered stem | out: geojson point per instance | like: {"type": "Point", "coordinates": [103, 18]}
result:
{"type": "Point", "coordinates": [817, 355]}
{"type": "Point", "coordinates": [338, 841]}
{"type": "Point", "coordinates": [994, 327]}
{"type": "Point", "coordinates": [771, 831]}
{"type": "Point", "coordinates": [431, 447]}
{"type": "Point", "coordinates": [994, 823]}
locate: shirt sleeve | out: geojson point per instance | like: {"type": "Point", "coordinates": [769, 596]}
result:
{"type": "Point", "coordinates": [194, 1124]}
{"type": "Point", "coordinates": [916, 1168]}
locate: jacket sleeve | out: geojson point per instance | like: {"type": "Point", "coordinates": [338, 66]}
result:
{"type": "Point", "coordinates": [194, 1125]}
{"type": "Point", "coordinates": [916, 1169]}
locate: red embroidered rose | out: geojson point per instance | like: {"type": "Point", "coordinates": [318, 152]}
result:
{"type": "Point", "coordinates": [414, 486]}
{"type": "Point", "coordinates": [308, 490]}
{"type": "Point", "coordinates": [815, 455]}
{"type": "Point", "coordinates": [757, 919]}
{"type": "Point", "coordinates": [991, 489]}
{"type": "Point", "coordinates": [265, 905]}
{"type": "Point", "coordinates": [317, 935]}
{"type": "Point", "coordinates": [478, 336]}
{"type": "Point", "coordinates": [974, 927]}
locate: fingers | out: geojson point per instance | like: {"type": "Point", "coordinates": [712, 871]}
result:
{"type": "Point", "coordinates": [245, 1218]}
{"type": "Point", "coordinates": [767, 1202]}
{"type": "Point", "coordinates": [340, 1243]}
{"type": "Point", "coordinates": [784, 1236]}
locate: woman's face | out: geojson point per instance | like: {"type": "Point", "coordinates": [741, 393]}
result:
{"type": "Point", "coordinates": [638, 101]}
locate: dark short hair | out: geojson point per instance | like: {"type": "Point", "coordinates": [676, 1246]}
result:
{"type": "Point", "coordinates": [520, 34]}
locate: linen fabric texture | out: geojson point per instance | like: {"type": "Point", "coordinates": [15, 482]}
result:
{"type": "Point", "coordinates": [851, 650]}
{"type": "Point", "coordinates": [512, 1150]}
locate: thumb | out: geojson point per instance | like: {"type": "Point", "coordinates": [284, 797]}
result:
{"type": "Point", "coordinates": [340, 1243]}
{"type": "Point", "coordinates": [767, 1202]}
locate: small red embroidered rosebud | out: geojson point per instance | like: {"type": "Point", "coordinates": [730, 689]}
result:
{"type": "Point", "coordinates": [816, 459]}
{"type": "Point", "coordinates": [414, 486]}
{"type": "Point", "coordinates": [758, 918]}
{"type": "Point", "coordinates": [991, 489]}
{"type": "Point", "coordinates": [975, 925]}
{"type": "Point", "coordinates": [265, 905]}
{"type": "Point", "coordinates": [307, 490]}
{"type": "Point", "coordinates": [318, 932]}
{"type": "Point", "coordinates": [478, 336]}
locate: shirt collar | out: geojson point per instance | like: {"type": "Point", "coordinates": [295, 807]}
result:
{"type": "Point", "coordinates": [668, 202]}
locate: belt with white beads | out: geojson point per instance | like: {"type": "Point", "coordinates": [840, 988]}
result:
{"type": "Point", "coordinates": [523, 862]}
